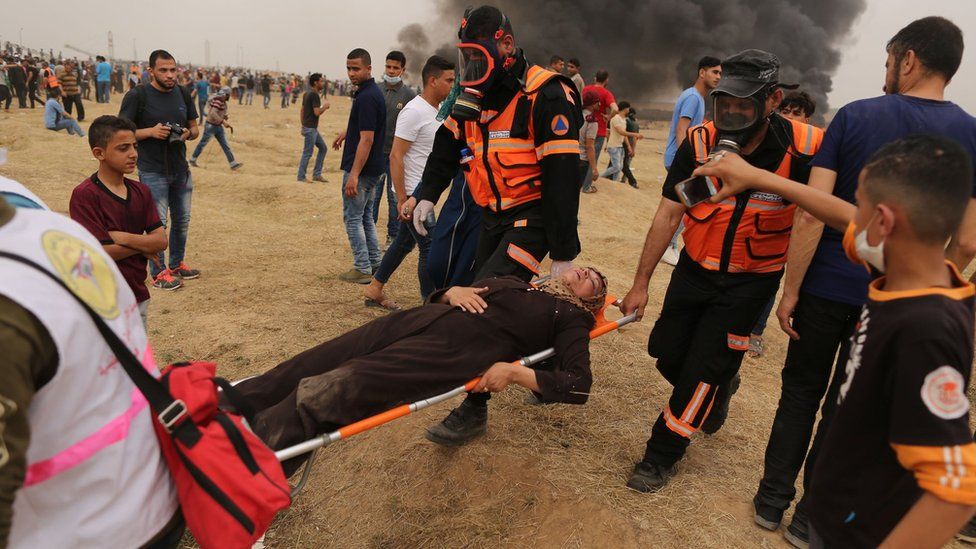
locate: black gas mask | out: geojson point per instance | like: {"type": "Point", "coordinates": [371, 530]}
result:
{"type": "Point", "coordinates": [480, 65]}
{"type": "Point", "coordinates": [737, 119]}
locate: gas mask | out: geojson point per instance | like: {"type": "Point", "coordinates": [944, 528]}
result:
{"type": "Point", "coordinates": [737, 119]}
{"type": "Point", "coordinates": [479, 66]}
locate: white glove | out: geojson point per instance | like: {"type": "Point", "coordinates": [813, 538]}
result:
{"type": "Point", "coordinates": [423, 210]}
{"type": "Point", "coordinates": [559, 267]}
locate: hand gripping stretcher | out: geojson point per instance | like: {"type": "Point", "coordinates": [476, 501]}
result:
{"type": "Point", "coordinates": [602, 327]}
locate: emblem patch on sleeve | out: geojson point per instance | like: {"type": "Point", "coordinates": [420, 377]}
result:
{"type": "Point", "coordinates": [944, 393]}
{"type": "Point", "coordinates": [560, 125]}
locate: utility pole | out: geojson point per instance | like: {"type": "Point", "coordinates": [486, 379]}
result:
{"type": "Point", "coordinates": [111, 46]}
{"type": "Point", "coordinates": [21, 36]}
{"type": "Point", "coordinates": [134, 54]}
{"type": "Point", "coordinates": [206, 53]}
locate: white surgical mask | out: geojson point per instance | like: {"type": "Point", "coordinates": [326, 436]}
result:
{"type": "Point", "coordinates": [874, 255]}
{"type": "Point", "coordinates": [392, 80]}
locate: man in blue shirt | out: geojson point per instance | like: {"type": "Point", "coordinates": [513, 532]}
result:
{"type": "Point", "coordinates": [103, 79]}
{"type": "Point", "coordinates": [362, 165]}
{"type": "Point", "coordinates": [201, 89]}
{"type": "Point", "coordinates": [55, 118]}
{"type": "Point", "coordinates": [689, 111]}
{"type": "Point", "coordinates": [823, 292]}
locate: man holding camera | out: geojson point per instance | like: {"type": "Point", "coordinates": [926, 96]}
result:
{"type": "Point", "coordinates": [166, 118]}
{"type": "Point", "coordinates": [732, 261]}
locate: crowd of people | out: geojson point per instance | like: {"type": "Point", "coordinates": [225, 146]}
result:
{"type": "Point", "coordinates": [865, 225]}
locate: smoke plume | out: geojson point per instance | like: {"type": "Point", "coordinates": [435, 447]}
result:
{"type": "Point", "coordinates": [651, 46]}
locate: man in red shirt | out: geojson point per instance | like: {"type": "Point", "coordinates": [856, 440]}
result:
{"type": "Point", "coordinates": [604, 110]}
{"type": "Point", "coordinates": [118, 211]}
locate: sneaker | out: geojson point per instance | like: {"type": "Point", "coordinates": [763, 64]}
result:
{"type": "Point", "coordinates": [968, 532]}
{"type": "Point", "coordinates": [193, 162]}
{"type": "Point", "coordinates": [166, 281]}
{"type": "Point", "coordinates": [720, 409]}
{"type": "Point", "coordinates": [320, 179]}
{"type": "Point", "coordinates": [767, 517]}
{"type": "Point", "coordinates": [650, 477]}
{"type": "Point", "coordinates": [236, 165]}
{"type": "Point", "coordinates": [186, 273]}
{"type": "Point", "coordinates": [464, 423]}
{"type": "Point", "coordinates": [356, 276]}
{"type": "Point", "coordinates": [671, 256]}
{"type": "Point", "coordinates": [798, 533]}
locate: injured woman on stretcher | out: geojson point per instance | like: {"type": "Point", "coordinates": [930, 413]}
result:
{"type": "Point", "coordinates": [458, 334]}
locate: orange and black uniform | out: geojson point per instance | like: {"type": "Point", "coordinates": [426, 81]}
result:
{"type": "Point", "coordinates": [901, 427]}
{"type": "Point", "coordinates": [729, 269]}
{"type": "Point", "coordinates": [524, 172]}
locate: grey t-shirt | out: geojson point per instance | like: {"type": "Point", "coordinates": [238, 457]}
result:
{"type": "Point", "coordinates": [396, 97]}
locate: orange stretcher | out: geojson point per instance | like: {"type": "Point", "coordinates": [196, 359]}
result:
{"type": "Point", "coordinates": [603, 326]}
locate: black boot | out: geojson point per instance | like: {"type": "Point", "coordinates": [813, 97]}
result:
{"type": "Point", "coordinates": [650, 477]}
{"type": "Point", "coordinates": [720, 410]}
{"type": "Point", "coordinates": [467, 421]}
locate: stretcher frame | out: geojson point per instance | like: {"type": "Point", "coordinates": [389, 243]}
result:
{"type": "Point", "coordinates": [602, 327]}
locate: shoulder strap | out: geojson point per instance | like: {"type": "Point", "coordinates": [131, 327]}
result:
{"type": "Point", "coordinates": [140, 99]}
{"type": "Point", "coordinates": [169, 410]}
{"type": "Point", "coordinates": [702, 138]}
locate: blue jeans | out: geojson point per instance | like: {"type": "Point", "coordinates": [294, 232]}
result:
{"type": "Point", "coordinates": [267, 99]}
{"type": "Point", "coordinates": [172, 193]}
{"type": "Point", "coordinates": [312, 140]}
{"type": "Point", "coordinates": [357, 215]}
{"type": "Point", "coordinates": [402, 245]}
{"type": "Point", "coordinates": [68, 124]}
{"type": "Point", "coordinates": [212, 131]}
{"type": "Point", "coordinates": [250, 96]}
{"type": "Point", "coordinates": [597, 147]}
{"type": "Point", "coordinates": [616, 162]}
{"type": "Point", "coordinates": [392, 224]}
{"type": "Point", "coordinates": [202, 107]}
{"type": "Point", "coordinates": [101, 91]}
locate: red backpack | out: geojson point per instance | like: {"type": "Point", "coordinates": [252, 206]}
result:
{"type": "Point", "coordinates": [229, 484]}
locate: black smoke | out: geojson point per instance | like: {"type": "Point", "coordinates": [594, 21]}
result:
{"type": "Point", "coordinates": [650, 46]}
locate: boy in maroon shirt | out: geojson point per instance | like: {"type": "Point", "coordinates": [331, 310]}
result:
{"type": "Point", "coordinates": [118, 211]}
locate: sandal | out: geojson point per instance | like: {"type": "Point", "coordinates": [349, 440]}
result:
{"type": "Point", "coordinates": [591, 190]}
{"type": "Point", "coordinates": [755, 346]}
{"type": "Point", "coordinates": [387, 304]}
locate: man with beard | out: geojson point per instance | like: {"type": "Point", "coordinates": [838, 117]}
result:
{"type": "Point", "coordinates": [166, 118]}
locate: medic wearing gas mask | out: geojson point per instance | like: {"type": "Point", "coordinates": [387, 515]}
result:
{"type": "Point", "coordinates": [732, 262]}
{"type": "Point", "coordinates": [514, 132]}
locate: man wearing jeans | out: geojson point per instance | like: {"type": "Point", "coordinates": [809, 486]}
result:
{"type": "Point", "coordinates": [312, 107]}
{"type": "Point", "coordinates": [156, 109]}
{"type": "Point", "coordinates": [214, 128]}
{"type": "Point", "coordinates": [362, 165]}
{"type": "Point", "coordinates": [397, 96]}
{"type": "Point", "coordinates": [103, 79]}
{"type": "Point", "coordinates": [618, 143]}
{"type": "Point", "coordinates": [603, 111]}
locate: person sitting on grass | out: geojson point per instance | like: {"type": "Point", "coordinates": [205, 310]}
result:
{"type": "Point", "coordinates": [897, 467]}
{"type": "Point", "coordinates": [55, 118]}
{"type": "Point", "coordinates": [459, 334]}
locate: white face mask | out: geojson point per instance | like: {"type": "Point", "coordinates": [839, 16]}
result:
{"type": "Point", "coordinates": [392, 80]}
{"type": "Point", "coordinates": [874, 255]}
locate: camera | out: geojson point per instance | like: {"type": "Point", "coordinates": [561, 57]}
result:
{"type": "Point", "coordinates": [175, 132]}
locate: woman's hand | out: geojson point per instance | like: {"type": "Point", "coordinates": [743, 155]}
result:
{"type": "Point", "coordinates": [497, 378]}
{"type": "Point", "coordinates": [468, 299]}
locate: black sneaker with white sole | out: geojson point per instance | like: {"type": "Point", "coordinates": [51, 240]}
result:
{"type": "Point", "coordinates": [650, 477]}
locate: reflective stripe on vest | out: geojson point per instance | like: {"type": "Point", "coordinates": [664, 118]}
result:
{"type": "Point", "coordinates": [762, 234]}
{"type": "Point", "coordinates": [505, 171]}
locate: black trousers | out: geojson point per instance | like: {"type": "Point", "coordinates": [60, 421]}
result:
{"type": "Point", "coordinates": [509, 244]}
{"type": "Point", "coordinates": [824, 327]}
{"type": "Point", "coordinates": [5, 96]}
{"type": "Point", "coordinates": [626, 170]}
{"type": "Point", "coordinates": [75, 99]}
{"type": "Point", "coordinates": [699, 342]}
{"type": "Point", "coordinates": [32, 95]}
{"type": "Point", "coordinates": [21, 91]}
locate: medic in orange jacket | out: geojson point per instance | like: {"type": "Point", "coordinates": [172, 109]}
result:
{"type": "Point", "coordinates": [514, 131]}
{"type": "Point", "coordinates": [732, 263]}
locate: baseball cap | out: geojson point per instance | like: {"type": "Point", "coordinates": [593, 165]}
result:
{"type": "Point", "coordinates": [749, 71]}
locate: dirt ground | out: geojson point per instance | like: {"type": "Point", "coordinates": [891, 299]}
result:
{"type": "Point", "coordinates": [270, 250]}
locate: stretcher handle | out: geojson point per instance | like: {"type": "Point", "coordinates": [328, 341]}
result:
{"type": "Point", "coordinates": [603, 327]}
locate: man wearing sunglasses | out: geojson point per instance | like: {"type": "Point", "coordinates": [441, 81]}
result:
{"type": "Point", "coordinates": [514, 132]}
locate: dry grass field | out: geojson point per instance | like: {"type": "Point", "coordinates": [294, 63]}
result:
{"type": "Point", "coordinates": [544, 476]}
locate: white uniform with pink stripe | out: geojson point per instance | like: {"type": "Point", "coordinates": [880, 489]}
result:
{"type": "Point", "coordinates": [95, 476]}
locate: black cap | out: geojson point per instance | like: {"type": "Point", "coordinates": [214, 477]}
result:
{"type": "Point", "coordinates": [747, 72]}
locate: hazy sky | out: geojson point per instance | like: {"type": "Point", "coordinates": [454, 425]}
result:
{"type": "Point", "coordinates": [315, 35]}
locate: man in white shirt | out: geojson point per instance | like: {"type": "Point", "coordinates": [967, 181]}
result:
{"type": "Point", "coordinates": [412, 143]}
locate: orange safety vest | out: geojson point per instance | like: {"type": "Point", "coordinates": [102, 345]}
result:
{"type": "Point", "coordinates": [50, 80]}
{"type": "Point", "coordinates": [505, 171]}
{"type": "Point", "coordinates": [762, 231]}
